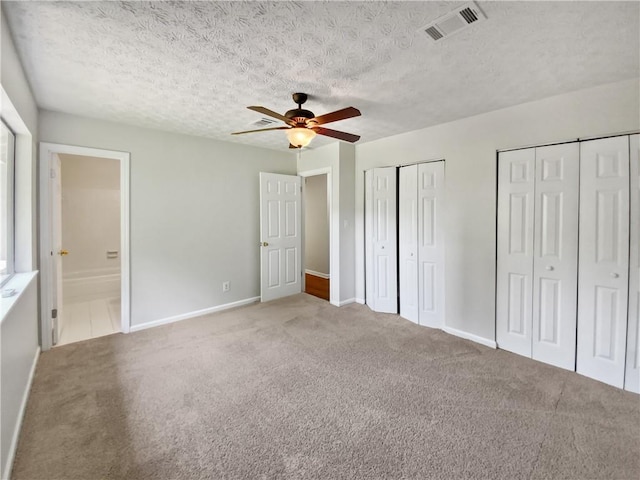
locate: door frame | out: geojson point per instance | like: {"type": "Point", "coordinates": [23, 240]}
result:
{"type": "Point", "coordinates": [334, 240]}
{"type": "Point", "coordinates": [47, 150]}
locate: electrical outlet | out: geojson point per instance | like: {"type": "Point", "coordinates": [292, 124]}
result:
{"type": "Point", "coordinates": [225, 286]}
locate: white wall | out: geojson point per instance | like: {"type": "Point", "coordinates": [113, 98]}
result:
{"type": "Point", "coordinates": [469, 147]}
{"type": "Point", "coordinates": [316, 223]}
{"type": "Point", "coordinates": [19, 347]}
{"type": "Point", "coordinates": [347, 163]}
{"type": "Point", "coordinates": [90, 214]}
{"type": "Point", "coordinates": [340, 158]}
{"type": "Point", "coordinates": [194, 212]}
{"type": "Point", "coordinates": [19, 319]}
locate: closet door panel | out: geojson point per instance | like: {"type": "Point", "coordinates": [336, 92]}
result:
{"type": "Point", "coordinates": [368, 239]}
{"type": "Point", "coordinates": [384, 276]}
{"type": "Point", "coordinates": [555, 267]}
{"type": "Point", "coordinates": [632, 375]}
{"type": "Point", "coordinates": [514, 295]}
{"type": "Point", "coordinates": [430, 184]}
{"type": "Point", "coordinates": [603, 259]}
{"type": "Point", "coordinates": [408, 242]}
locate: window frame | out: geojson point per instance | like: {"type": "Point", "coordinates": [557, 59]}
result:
{"type": "Point", "coordinates": [11, 202]}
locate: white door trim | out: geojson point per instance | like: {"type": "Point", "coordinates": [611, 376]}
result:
{"type": "Point", "coordinates": [334, 241]}
{"type": "Point", "coordinates": [46, 152]}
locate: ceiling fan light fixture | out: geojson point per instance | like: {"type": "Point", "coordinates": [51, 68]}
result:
{"type": "Point", "coordinates": [300, 136]}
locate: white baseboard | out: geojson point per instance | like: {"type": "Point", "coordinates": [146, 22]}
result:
{"type": "Point", "coordinates": [197, 313]}
{"type": "Point", "coordinates": [6, 471]}
{"type": "Point", "coordinates": [345, 302]}
{"type": "Point", "coordinates": [360, 301]}
{"type": "Point", "coordinates": [470, 336]}
{"type": "Point", "coordinates": [318, 274]}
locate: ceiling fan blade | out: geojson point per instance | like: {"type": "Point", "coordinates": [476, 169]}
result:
{"type": "Point", "coordinates": [343, 114]}
{"type": "Point", "coordinates": [271, 113]}
{"type": "Point", "coordinates": [261, 130]}
{"type": "Point", "coordinates": [347, 137]}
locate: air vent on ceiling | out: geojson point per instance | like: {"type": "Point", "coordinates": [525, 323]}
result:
{"type": "Point", "coordinates": [264, 122]}
{"type": "Point", "coordinates": [454, 22]}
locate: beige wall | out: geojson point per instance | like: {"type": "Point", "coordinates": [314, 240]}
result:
{"type": "Point", "coordinates": [316, 217]}
{"type": "Point", "coordinates": [469, 147]}
{"type": "Point", "coordinates": [90, 214]}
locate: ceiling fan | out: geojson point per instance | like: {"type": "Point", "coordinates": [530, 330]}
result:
{"type": "Point", "coordinates": [303, 125]}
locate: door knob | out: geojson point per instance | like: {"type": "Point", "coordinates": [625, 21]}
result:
{"type": "Point", "coordinates": [550, 268]}
{"type": "Point", "coordinates": [264, 244]}
{"type": "Point", "coordinates": [614, 275]}
{"type": "Point", "coordinates": [63, 252]}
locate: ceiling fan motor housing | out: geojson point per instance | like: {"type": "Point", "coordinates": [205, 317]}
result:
{"type": "Point", "coordinates": [299, 115]}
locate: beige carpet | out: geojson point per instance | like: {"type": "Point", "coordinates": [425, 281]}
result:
{"type": "Point", "coordinates": [300, 389]}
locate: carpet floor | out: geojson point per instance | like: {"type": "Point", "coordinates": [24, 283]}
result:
{"type": "Point", "coordinates": [299, 389]}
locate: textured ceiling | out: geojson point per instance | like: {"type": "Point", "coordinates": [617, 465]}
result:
{"type": "Point", "coordinates": [193, 67]}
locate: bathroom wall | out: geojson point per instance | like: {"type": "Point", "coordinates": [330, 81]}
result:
{"type": "Point", "coordinates": [90, 215]}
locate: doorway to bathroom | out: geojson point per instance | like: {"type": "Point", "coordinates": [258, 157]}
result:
{"type": "Point", "coordinates": [84, 243]}
{"type": "Point", "coordinates": [90, 240]}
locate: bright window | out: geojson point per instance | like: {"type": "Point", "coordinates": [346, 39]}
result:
{"type": "Point", "coordinates": [7, 160]}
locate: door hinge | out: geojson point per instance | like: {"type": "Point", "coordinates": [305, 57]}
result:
{"type": "Point", "coordinates": [54, 326]}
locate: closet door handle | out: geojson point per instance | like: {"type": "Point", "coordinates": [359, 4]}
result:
{"type": "Point", "coordinates": [614, 275]}
{"type": "Point", "coordinates": [550, 268]}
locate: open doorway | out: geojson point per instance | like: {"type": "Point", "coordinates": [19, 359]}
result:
{"type": "Point", "coordinates": [317, 237]}
{"type": "Point", "coordinates": [89, 278]}
{"type": "Point", "coordinates": [84, 243]}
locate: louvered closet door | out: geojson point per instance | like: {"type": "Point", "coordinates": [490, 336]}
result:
{"type": "Point", "coordinates": [632, 375]}
{"type": "Point", "coordinates": [382, 294]}
{"type": "Point", "coordinates": [431, 244]}
{"type": "Point", "coordinates": [603, 259]}
{"type": "Point", "coordinates": [555, 266]}
{"type": "Point", "coordinates": [515, 251]}
{"type": "Point", "coordinates": [408, 238]}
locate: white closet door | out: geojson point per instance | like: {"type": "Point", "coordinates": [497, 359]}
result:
{"type": "Point", "coordinates": [368, 239]}
{"type": "Point", "coordinates": [408, 238]}
{"type": "Point", "coordinates": [431, 244]}
{"type": "Point", "coordinates": [555, 267]}
{"type": "Point", "coordinates": [603, 259]}
{"type": "Point", "coordinates": [514, 293]}
{"type": "Point", "coordinates": [632, 375]}
{"type": "Point", "coordinates": [383, 241]}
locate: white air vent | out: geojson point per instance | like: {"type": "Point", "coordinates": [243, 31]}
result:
{"type": "Point", "coordinates": [454, 22]}
{"type": "Point", "coordinates": [264, 122]}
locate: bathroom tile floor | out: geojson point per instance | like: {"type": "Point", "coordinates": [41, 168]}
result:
{"type": "Point", "coordinates": [89, 319]}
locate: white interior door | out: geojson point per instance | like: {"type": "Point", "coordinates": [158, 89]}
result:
{"type": "Point", "coordinates": [555, 268]}
{"type": "Point", "coordinates": [514, 294]}
{"type": "Point", "coordinates": [408, 242]}
{"type": "Point", "coordinates": [281, 236]}
{"type": "Point", "coordinates": [383, 258]}
{"type": "Point", "coordinates": [431, 244]}
{"type": "Point", "coordinates": [603, 259]}
{"type": "Point", "coordinates": [632, 375]}
{"type": "Point", "coordinates": [58, 252]}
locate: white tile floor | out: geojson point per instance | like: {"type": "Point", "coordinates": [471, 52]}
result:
{"type": "Point", "coordinates": [90, 319]}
